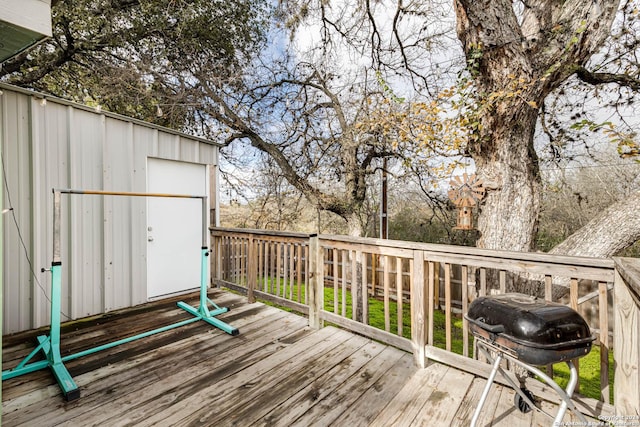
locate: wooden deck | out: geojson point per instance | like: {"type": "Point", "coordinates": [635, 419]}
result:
{"type": "Point", "coordinates": [277, 372]}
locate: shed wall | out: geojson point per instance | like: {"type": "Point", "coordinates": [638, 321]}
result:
{"type": "Point", "coordinates": [55, 144]}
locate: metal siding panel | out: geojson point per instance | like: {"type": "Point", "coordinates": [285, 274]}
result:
{"type": "Point", "coordinates": [17, 281]}
{"type": "Point", "coordinates": [119, 163]}
{"type": "Point", "coordinates": [41, 294]}
{"type": "Point", "coordinates": [86, 213]}
{"type": "Point", "coordinates": [168, 146]}
{"type": "Point", "coordinates": [208, 154]}
{"type": "Point", "coordinates": [189, 150]}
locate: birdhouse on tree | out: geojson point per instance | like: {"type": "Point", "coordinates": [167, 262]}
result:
{"type": "Point", "coordinates": [466, 191]}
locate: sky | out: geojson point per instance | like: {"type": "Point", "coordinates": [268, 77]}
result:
{"type": "Point", "coordinates": [349, 64]}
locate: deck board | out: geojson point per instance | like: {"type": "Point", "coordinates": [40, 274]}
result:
{"type": "Point", "coordinates": [441, 406]}
{"type": "Point", "coordinates": [327, 409]}
{"type": "Point", "coordinates": [273, 377]}
{"type": "Point", "coordinates": [277, 372]}
{"type": "Point", "coordinates": [407, 403]}
{"type": "Point", "coordinates": [506, 414]}
{"type": "Point", "coordinates": [366, 407]}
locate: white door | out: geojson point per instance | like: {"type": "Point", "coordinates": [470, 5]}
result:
{"type": "Point", "coordinates": [174, 226]}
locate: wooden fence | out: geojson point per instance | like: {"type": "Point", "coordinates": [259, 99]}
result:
{"type": "Point", "coordinates": [401, 293]}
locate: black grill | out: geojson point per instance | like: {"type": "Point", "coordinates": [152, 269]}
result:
{"type": "Point", "coordinates": [529, 332]}
{"type": "Point", "coordinates": [535, 331]}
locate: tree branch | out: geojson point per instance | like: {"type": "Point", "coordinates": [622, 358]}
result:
{"type": "Point", "coordinates": [604, 78]}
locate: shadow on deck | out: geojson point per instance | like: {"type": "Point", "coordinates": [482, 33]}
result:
{"type": "Point", "coordinates": [277, 372]}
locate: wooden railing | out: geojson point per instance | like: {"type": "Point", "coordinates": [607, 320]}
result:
{"type": "Point", "coordinates": [270, 265]}
{"type": "Point", "coordinates": [402, 293]}
{"type": "Point", "coordinates": [626, 340]}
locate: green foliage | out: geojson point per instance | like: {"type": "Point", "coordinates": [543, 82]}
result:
{"type": "Point", "coordinates": [388, 91]}
{"type": "Point", "coordinates": [412, 225]}
{"type": "Point", "coordinates": [424, 225]}
{"type": "Point", "coordinates": [132, 57]}
{"type": "Point", "coordinates": [547, 239]}
{"type": "Point", "coordinates": [625, 141]}
{"type": "Point", "coordinates": [474, 55]}
{"type": "Point", "coordinates": [632, 251]}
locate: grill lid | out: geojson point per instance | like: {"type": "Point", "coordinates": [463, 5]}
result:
{"type": "Point", "coordinates": [529, 320]}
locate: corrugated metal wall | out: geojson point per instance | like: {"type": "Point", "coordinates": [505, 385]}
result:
{"type": "Point", "coordinates": [55, 144]}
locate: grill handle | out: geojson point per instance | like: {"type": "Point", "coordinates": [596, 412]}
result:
{"type": "Point", "coordinates": [494, 329]}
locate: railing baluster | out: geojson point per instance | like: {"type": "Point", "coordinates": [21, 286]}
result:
{"type": "Point", "coordinates": [292, 248]}
{"type": "Point", "coordinates": [234, 259]}
{"type": "Point", "coordinates": [431, 285]}
{"type": "Point", "coordinates": [265, 270]}
{"type": "Point", "coordinates": [399, 295]}
{"type": "Point", "coordinates": [306, 274]}
{"type": "Point", "coordinates": [252, 266]}
{"type": "Point", "coordinates": [354, 284]}
{"type": "Point", "coordinates": [436, 289]}
{"type": "Point", "coordinates": [418, 307]}
{"type": "Point", "coordinates": [548, 288]}
{"type": "Point", "coordinates": [285, 268]}
{"type": "Point", "coordinates": [243, 262]}
{"type": "Point", "coordinates": [344, 283]}
{"type": "Point", "coordinates": [374, 267]}
{"type": "Point", "coordinates": [548, 296]}
{"type": "Point", "coordinates": [573, 297]}
{"type": "Point", "coordinates": [239, 261]}
{"type": "Point", "coordinates": [364, 289]}
{"type": "Point", "coordinates": [386, 292]}
{"type": "Point", "coordinates": [278, 267]}
{"type": "Point", "coordinates": [603, 312]}
{"type": "Point", "coordinates": [465, 308]}
{"type": "Point", "coordinates": [315, 288]}
{"type": "Point", "coordinates": [272, 267]}
{"type": "Point", "coordinates": [299, 271]}
{"type": "Point", "coordinates": [259, 250]}
{"type": "Point", "coordinates": [447, 305]}
{"type": "Point", "coordinates": [335, 280]}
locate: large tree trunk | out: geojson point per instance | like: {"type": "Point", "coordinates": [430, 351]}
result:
{"type": "Point", "coordinates": [516, 59]}
{"type": "Point", "coordinates": [354, 225]}
{"type": "Point", "coordinates": [614, 229]}
{"type": "Point", "coordinates": [509, 213]}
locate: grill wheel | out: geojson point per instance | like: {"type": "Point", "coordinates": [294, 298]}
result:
{"type": "Point", "coordinates": [522, 404]}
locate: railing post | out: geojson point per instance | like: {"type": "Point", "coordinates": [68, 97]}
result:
{"type": "Point", "coordinates": [316, 279]}
{"type": "Point", "coordinates": [626, 338]}
{"type": "Point", "coordinates": [418, 310]}
{"type": "Point", "coordinates": [216, 259]}
{"type": "Point", "coordinates": [252, 269]}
